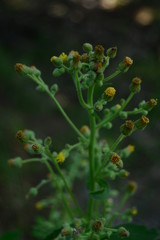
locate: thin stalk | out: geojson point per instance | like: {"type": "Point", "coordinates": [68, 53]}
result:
{"type": "Point", "coordinates": [112, 76]}
{"type": "Point", "coordinates": [65, 204]}
{"type": "Point", "coordinates": [101, 124]}
{"type": "Point", "coordinates": [120, 205]}
{"type": "Point", "coordinates": [66, 185]}
{"type": "Point", "coordinates": [113, 147]}
{"type": "Point", "coordinates": [91, 148]}
{"type": "Point", "coordinates": [31, 160]}
{"type": "Point", "coordinates": [40, 82]}
{"type": "Point", "coordinates": [79, 92]}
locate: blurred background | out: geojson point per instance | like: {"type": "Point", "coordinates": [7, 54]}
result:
{"type": "Point", "coordinates": [31, 32]}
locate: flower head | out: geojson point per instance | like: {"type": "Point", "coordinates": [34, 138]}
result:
{"type": "Point", "coordinates": [115, 158]}
{"type": "Point", "coordinates": [60, 157]}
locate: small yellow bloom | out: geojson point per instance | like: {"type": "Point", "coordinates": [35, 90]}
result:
{"type": "Point", "coordinates": [63, 56]}
{"type": "Point", "coordinates": [39, 206]}
{"type": "Point", "coordinates": [53, 59]}
{"type": "Point", "coordinates": [110, 92]}
{"type": "Point", "coordinates": [84, 129]}
{"type": "Point", "coordinates": [60, 157]}
{"type": "Point", "coordinates": [134, 211]}
{"type": "Point", "coordinates": [128, 61]}
{"type": "Point", "coordinates": [131, 148]}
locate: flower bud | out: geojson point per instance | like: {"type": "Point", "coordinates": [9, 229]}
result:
{"type": "Point", "coordinates": [123, 232]}
{"type": "Point", "coordinates": [134, 211]}
{"type": "Point", "coordinates": [58, 72]}
{"type": "Point", "coordinates": [20, 136]}
{"type": "Point", "coordinates": [135, 86]}
{"type": "Point", "coordinates": [115, 159]}
{"type": "Point", "coordinates": [125, 64]}
{"type": "Point", "coordinates": [99, 52]}
{"type": "Point", "coordinates": [127, 128]}
{"type": "Point", "coordinates": [112, 52]}
{"type": "Point", "coordinates": [132, 187]}
{"type": "Point", "coordinates": [66, 231]}
{"type": "Point", "coordinates": [109, 93]}
{"type": "Point", "coordinates": [87, 47]}
{"type": "Point", "coordinates": [63, 57]}
{"type": "Point", "coordinates": [84, 58]}
{"type": "Point", "coordinates": [36, 148]}
{"type": "Point", "coordinates": [15, 162]}
{"type": "Point", "coordinates": [108, 125]}
{"type": "Point", "coordinates": [54, 88]}
{"type": "Point", "coordinates": [97, 225]}
{"type": "Point", "coordinates": [123, 115]}
{"type": "Point", "coordinates": [60, 157]}
{"type": "Point", "coordinates": [33, 192]}
{"type": "Point", "coordinates": [39, 206]}
{"type": "Point", "coordinates": [48, 141]}
{"type": "Point", "coordinates": [150, 104]}
{"type": "Point", "coordinates": [85, 130]}
{"type": "Point", "coordinates": [123, 173]}
{"type": "Point", "coordinates": [57, 61]}
{"type": "Point", "coordinates": [142, 122]}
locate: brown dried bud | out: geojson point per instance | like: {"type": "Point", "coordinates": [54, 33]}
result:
{"type": "Point", "coordinates": [127, 128]}
{"type": "Point", "coordinates": [97, 225]}
{"type": "Point", "coordinates": [132, 187]}
{"type": "Point", "coordinates": [115, 158]}
{"type": "Point", "coordinates": [142, 122]}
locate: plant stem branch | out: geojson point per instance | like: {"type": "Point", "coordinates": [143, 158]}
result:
{"type": "Point", "coordinates": [60, 190]}
{"type": "Point", "coordinates": [101, 124]}
{"type": "Point", "coordinates": [91, 148]}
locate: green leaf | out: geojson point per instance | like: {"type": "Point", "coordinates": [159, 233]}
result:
{"type": "Point", "coordinates": [138, 232]}
{"type": "Point", "coordinates": [102, 183]}
{"type": "Point", "coordinates": [101, 194]}
{"type": "Point", "coordinates": [11, 235]}
{"type": "Point", "coordinates": [54, 234]}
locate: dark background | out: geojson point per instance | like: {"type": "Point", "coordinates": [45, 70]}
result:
{"type": "Point", "coordinates": [31, 32]}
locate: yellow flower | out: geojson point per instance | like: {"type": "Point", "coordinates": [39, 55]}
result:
{"type": "Point", "coordinates": [110, 92]}
{"type": "Point", "coordinates": [53, 59]}
{"type": "Point", "coordinates": [134, 211]}
{"type": "Point", "coordinates": [128, 61]}
{"type": "Point", "coordinates": [60, 157]}
{"type": "Point", "coordinates": [39, 206]}
{"type": "Point", "coordinates": [131, 148]}
{"type": "Point", "coordinates": [63, 56]}
{"type": "Point", "coordinates": [84, 129]}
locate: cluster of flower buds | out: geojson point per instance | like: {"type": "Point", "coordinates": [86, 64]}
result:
{"type": "Point", "coordinates": [90, 65]}
{"type": "Point", "coordinates": [22, 68]}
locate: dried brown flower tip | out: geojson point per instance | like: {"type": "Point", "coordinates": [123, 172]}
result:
{"type": "Point", "coordinates": [115, 158]}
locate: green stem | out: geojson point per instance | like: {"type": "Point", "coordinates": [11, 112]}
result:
{"type": "Point", "coordinates": [135, 112]}
{"type": "Point", "coordinates": [65, 184]}
{"type": "Point", "coordinates": [79, 92]}
{"type": "Point", "coordinates": [120, 205]}
{"type": "Point", "coordinates": [91, 148]}
{"type": "Point", "coordinates": [111, 76]}
{"type": "Point", "coordinates": [59, 189]}
{"type": "Point", "coordinates": [101, 124]}
{"type": "Point", "coordinates": [113, 147]}
{"type": "Point", "coordinates": [40, 82]}
{"type": "Point", "coordinates": [31, 160]}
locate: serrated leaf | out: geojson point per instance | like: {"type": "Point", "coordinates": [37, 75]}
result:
{"type": "Point", "coordinates": [138, 232]}
{"type": "Point", "coordinates": [54, 234]}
